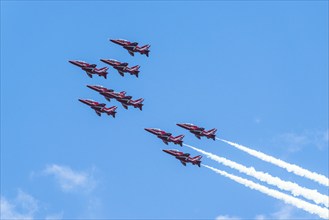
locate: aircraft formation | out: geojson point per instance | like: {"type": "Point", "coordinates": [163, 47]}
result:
{"type": "Point", "coordinates": [181, 156]}
{"type": "Point", "coordinates": [126, 100]}
{"type": "Point", "coordinates": [184, 158]}
{"type": "Point", "coordinates": [199, 132]}
{"type": "Point", "coordinates": [122, 68]}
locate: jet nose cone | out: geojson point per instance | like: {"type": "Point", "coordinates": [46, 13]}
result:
{"type": "Point", "coordinates": [180, 125]}
{"type": "Point", "coordinates": [71, 61]}
{"type": "Point", "coordinates": [91, 87]}
{"type": "Point", "coordinates": [114, 41]}
{"type": "Point", "coordinates": [81, 100]}
{"type": "Point", "coordinates": [147, 129]}
{"type": "Point", "coordinates": [165, 151]}
{"type": "Point", "coordinates": [103, 60]}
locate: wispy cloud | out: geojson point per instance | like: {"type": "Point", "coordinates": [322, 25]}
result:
{"type": "Point", "coordinates": [285, 212]}
{"type": "Point", "coordinates": [295, 142]}
{"type": "Point", "coordinates": [82, 183]}
{"type": "Point", "coordinates": [24, 206]}
{"type": "Point", "coordinates": [70, 180]}
{"type": "Point", "coordinates": [227, 217]}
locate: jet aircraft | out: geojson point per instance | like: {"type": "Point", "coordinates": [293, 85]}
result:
{"type": "Point", "coordinates": [199, 131]}
{"type": "Point", "coordinates": [122, 67]}
{"type": "Point", "coordinates": [184, 157]}
{"type": "Point", "coordinates": [127, 101]}
{"type": "Point", "coordinates": [90, 68]}
{"type": "Point", "coordinates": [108, 93]}
{"type": "Point", "coordinates": [133, 47]}
{"type": "Point", "coordinates": [99, 107]}
{"type": "Point", "coordinates": [166, 137]}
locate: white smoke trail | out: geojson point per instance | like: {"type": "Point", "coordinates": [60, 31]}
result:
{"type": "Point", "coordinates": [308, 207]}
{"type": "Point", "coordinates": [319, 178]}
{"type": "Point", "coordinates": [294, 188]}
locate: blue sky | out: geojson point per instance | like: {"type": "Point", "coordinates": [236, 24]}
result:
{"type": "Point", "coordinates": [256, 71]}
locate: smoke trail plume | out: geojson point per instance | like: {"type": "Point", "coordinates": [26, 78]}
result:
{"type": "Point", "coordinates": [319, 178]}
{"type": "Point", "coordinates": [294, 188]}
{"type": "Point", "coordinates": [308, 207]}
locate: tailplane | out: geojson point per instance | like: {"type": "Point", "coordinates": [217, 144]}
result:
{"type": "Point", "coordinates": [197, 160]}
{"type": "Point", "coordinates": [211, 133]}
{"type": "Point", "coordinates": [138, 103]}
{"type": "Point", "coordinates": [179, 140]}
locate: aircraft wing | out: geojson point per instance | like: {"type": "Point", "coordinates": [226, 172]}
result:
{"type": "Point", "coordinates": [165, 135]}
{"type": "Point", "coordinates": [124, 100]}
{"type": "Point", "coordinates": [199, 129]}
{"type": "Point", "coordinates": [125, 106]}
{"type": "Point", "coordinates": [165, 142]}
{"type": "Point", "coordinates": [130, 47]}
{"type": "Point", "coordinates": [183, 163]}
{"type": "Point", "coordinates": [88, 68]}
{"type": "Point", "coordinates": [181, 157]}
{"type": "Point", "coordinates": [198, 136]}
{"type": "Point", "coordinates": [98, 113]}
{"type": "Point", "coordinates": [131, 53]}
{"type": "Point", "coordinates": [101, 105]}
{"type": "Point", "coordinates": [121, 73]}
{"type": "Point", "coordinates": [91, 76]}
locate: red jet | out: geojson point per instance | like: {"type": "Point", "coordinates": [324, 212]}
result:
{"type": "Point", "coordinates": [90, 68]}
{"type": "Point", "coordinates": [108, 93]}
{"type": "Point", "coordinates": [99, 107]}
{"type": "Point", "coordinates": [133, 47]}
{"type": "Point", "coordinates": [122, 67]}
{"type": "Point", "coordinates": [185, 157]}
{"type": "Point", "coordinates": [198, 131]}
{"type": "Point", "coordinates": [126, 101]}
{"type": "Point", "coordinates": [166, 137]}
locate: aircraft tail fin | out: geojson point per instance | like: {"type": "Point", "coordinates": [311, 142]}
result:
{"type": "Point", "coordinates": [104, 68]}
{"type": "Point", "coordinates": [135, 67]}
{"type": "Point", "coordinates": [211, 133]}
{"type": "Point", "coordinates": [197, 160]}
{"type": "Point", "coordinates": [145, 49]}
{"type": "Point", "coordinates": [138, 103]}
{"type": "Point", "coordinates": [179, 140]}
{"type": "Point", "coordinates": [135, 70]}
{"type": "Point", "coordinates": [180, 137]}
